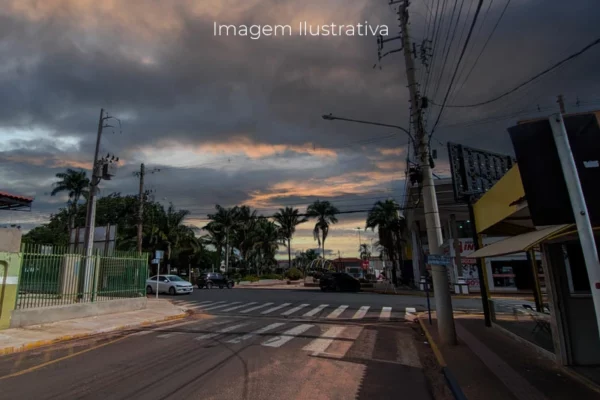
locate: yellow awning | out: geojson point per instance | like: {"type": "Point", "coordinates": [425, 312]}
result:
{"type": "Point", "coordinates": [518, 244]}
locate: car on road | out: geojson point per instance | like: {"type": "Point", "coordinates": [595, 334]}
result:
{"type": "Point", "coordinates": [339, 282]}
{"type": "Point", "coordinates": [212, 279]}
{"type": "Point", "coordinates": [171, 284]}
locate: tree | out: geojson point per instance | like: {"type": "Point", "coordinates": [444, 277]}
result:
{"type": "Point", "coordinates": [325, 214]}
{"type": "Point", "coordinates": [76, 184]}
{"type": "Point", "coordinates": [172, 232]}
{"type": "Point", "coordinates": [215, 237]}
{"type": "Point", "coordinates": [385, 216]}
{"type": "Point", "coordinates": [288, 219]}
{"type": "Point", "coordinates": [267, 240]}
{"type": "Point", "coordinates": [227, 220]}
{"type": "Point", "coordinates": [365, 253]}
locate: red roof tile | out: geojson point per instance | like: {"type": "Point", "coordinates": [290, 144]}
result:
{"type": "Point", "coordinates": [15, 197]}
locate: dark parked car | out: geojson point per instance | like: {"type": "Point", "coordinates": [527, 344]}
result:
{"type": "Point", "coordinates": [340, 282]}
{"type": "Point", "coordinates": [211, 279]}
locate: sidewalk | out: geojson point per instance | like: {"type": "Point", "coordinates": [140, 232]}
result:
{"type": "Point", "coordinates": [21, 339]}
{"type": "Point", "coordinates": [487, 364]}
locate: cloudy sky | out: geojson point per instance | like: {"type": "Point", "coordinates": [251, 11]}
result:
{"type": "Point", "coordinates": [232, 120]}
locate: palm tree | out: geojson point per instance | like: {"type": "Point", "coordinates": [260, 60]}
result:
{"type": "Point", "coordinates": [245, 231]}
{"type": "Point", "coordinates": [324, 212]}
{"type": "Point", "coordinates": [227, 219]}
{"type": "Point", "coordinates": [171, 231]}
{"type": "Point", "coordinates": [288, 218]}
{"type": "Point", "coordinates": [76, 184]}
{"type": "Point", "coordinates": [365, 253]}
{"type": "Point", "coordinates": [216, 238]}
{"type": "Point", "coordinates": [267, 240]}
{"type": "Point", "coordinates": [391, 226]}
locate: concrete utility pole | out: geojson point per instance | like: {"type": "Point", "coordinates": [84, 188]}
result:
{"type": "Point", "coordinates": [91, 211]}
{"type": "Point", "coordinates": [141, 174]}
{"type": "Point", "coordinates": [443, 301]}
{"type": "Point", "coordinates": [141, 209]}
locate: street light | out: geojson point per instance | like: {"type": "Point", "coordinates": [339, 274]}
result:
{"type": "Point", "coordinates": [331, 117]}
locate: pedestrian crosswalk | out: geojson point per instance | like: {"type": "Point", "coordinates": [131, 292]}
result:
{"type": "Point", "coordinates": [291, 310]}
{"type": "Point", "coordinates": [312, 338]}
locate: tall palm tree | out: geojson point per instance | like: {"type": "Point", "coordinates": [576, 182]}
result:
{"type": "Point", "coordinates": [267, 240]}
{"type": "Point", "coordinates": [288, 219]}
{"type": "Point", "coordinates": [245, 231]}
{"type": "Point", "coordinates": [216, 238]}
{"type": "Point", "coordinates": [391, 226]}
{"type": "Point", "coordinates": [325, 214]}
{"type": "Point", "coordinates": [76, 184]}
{"type": "Point", "coordinates": [172, 232]}
{"type": "Point", "coordinates": [365, 253]}
{"type": "Point", "coordinates": [227, 219]}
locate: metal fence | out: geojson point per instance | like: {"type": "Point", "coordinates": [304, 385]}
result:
{"type": "Point", "coordinates": [54, 275]}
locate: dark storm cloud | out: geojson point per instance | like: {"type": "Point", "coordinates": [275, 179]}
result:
{"type": "Point", "coordinates": [183, 86]}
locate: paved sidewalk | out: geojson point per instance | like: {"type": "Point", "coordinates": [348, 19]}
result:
{"type": "Point", "coordinates": [490, 365]}
{"type": "Point", "coordinates": [20, 339]}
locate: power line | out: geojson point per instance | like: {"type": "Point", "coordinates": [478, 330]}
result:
{"type": "Point", "coordinates": [484, 45]}
{"type": "Point", "coordinates": [467, 40]}
{"type": "Point", "coordinates": [528, 81]}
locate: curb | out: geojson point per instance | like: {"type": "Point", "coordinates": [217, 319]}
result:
{"type": "Point", "coordinates": [64, 338]}
{"type": "Point", "coordinates": [450, 379]}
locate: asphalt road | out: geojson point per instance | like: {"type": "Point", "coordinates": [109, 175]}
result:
{"type": "Point", "coordinates": [348, 349]}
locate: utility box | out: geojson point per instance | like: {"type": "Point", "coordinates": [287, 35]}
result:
{"type": "Point", "coordinates": [108, 171]}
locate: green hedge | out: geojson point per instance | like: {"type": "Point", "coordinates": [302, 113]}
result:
{"type": "Point", "coordinates": [271, 276]}
{"type": "Point", "coordinates": [250, 278]}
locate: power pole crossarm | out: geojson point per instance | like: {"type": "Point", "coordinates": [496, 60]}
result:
{"type": "Point", "coordinates": [443, 301]}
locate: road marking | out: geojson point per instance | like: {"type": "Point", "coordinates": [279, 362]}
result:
{"type": "Point", "coordinates": [206, 325]}
{"type": "Point", "coordinates": [318, 346]}
{"type": "Point", "coordinates": [214, 304]}
{"type": "Point", "coordinates": [270, 310]}
{"type": "Point", "coordinates": [337, 312]}
{"type": "Point", "coordinates": [221, 306]}
{"type": "Point", "coordinates": [224, 330]}
{"type": "Point", "coordinates": [237, 307]}
{"type": "Point", "coordinates": [202, 304]}
{"type": "Point", "coordinates": [260, 331]}
{"type": "Point", "coordinates": [293, 310]}
{"type": "Point", "coordinates": [316, 310]}
{"type": "Point", "coordinates": [256, 308]}
{"type": "Point", "coordinates": [39, 366]}
{"type": "Point", "coordinates": [360, 314]}
{"type": "Point", "coordinates": [386, 313]}
{"type": "Point", "coordinates": [287, 336]}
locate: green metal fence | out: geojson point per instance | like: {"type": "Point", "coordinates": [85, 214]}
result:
{"type": "Point", "coordinates": [54, 275]}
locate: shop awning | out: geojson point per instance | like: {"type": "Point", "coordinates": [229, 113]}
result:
{"type": "Point", "coordinates": [520, 243]}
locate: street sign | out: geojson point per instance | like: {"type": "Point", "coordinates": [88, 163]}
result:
{"type": "Point", "coordinates": [159, 254]}
{"type": "Point", "coordinates": [365, 264]}
{"type": "Point", "coordinates": [438, 260]}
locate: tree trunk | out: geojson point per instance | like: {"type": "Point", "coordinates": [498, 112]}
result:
{"type": "Point", "coordinates": [227, 250]}
{"type": "Point", "coordinates": [289, 253]}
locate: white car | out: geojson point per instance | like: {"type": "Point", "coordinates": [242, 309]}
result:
{"type": "Point", "coordinates": [171, 284]}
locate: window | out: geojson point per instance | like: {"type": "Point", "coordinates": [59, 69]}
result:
{"type": "Point", "coordinates": [175, 278]}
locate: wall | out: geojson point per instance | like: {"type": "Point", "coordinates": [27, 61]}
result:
{"type": "Point", "coordinates": [10, 265]}
{"type": "Point", "coordinates": [37, 316]}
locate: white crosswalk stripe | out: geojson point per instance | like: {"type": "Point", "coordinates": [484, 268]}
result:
{"type": "Point", "coordinates": [360, 314]}
{"type": "Point", "coordinates": [224, 330]}
{"type": "Point", "coordinates": [213, 304]}
{"type": "Point", "coordinates": [202, 303]}
{"type": "Point", "coordinates": [321, 344]}
{"type": "Point", "coordinates": [293, 310]}
{"type": "Point", "coordinates": [337, 312]}
{"type": "Point", "coordinates": [386, 313]}
{"type": "Point", "coordinates": [221, 306]}
{"type": "Point", "coordinates": [256, 308]}
{"type": "Point", "coordinates": [287, 336]}
{"type": "Point", "coordinates": [238, 307]}
{"type": "Point", "coordinates": [316, 310]}
{"type": "Point", "coordinates": [207, 325]}
{"type": "Point", "coordinates": [260, 331]}
{"type": "Point", "coordinates": [279, 307]}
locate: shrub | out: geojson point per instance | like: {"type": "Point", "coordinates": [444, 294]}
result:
{"type": "Point", "coordinates": [271, 276]}
{"type": "Point", "coordinates": [250, 278]}
{"type": "Point", "coordinates": [293, 274]}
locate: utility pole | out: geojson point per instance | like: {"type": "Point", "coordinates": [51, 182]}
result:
{"type": "Point", "coordinates": [86, 273]}
{"type": "Point", "coordinates": [443, 301]}
{"type": "Point", "coordinates": [141, 209]}
{"type": "Point", "coordinates": [359, 241]}
{"type": "Point", "coordinates": [141, 174]}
